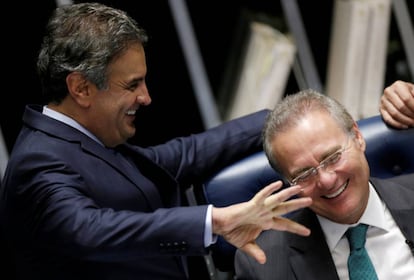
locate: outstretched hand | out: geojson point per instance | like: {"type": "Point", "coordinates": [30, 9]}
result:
{"type": "Point", "coordinates": [240, 224]}
{"type": "Point", "coordinates": [397, 104]}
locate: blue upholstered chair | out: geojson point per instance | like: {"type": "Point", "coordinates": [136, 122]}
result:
{"type": "Point", "coordinates": [390, 152]}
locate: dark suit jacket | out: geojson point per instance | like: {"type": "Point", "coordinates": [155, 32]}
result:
{"type": "Point", "coordinates": [73, 209]}
{"type": "Point", "coordinates": [292, 256]}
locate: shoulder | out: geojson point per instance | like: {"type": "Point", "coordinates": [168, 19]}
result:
{"type": "Point", "coordinates": [404, 180]}
{"type": "Point", "coordinates": [397, 191]}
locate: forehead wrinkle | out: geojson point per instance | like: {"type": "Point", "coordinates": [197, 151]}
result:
{"type": "Point", "coordinates": [302, 147]}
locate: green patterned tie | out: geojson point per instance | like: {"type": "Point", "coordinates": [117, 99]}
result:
{"type": "Point", "coordinates": [359, 263]}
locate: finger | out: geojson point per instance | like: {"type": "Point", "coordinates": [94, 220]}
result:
{"type": "Point", "coordinates": [285, 224]}
{"type": "Point", "coordinates": [392, 122]}
{"type": "Point", "coordinates": [267, 191]}
{"type": "Point", "coordinates": [394, 116]}
{"type": "Point", "coordinates": [254, 251]}
{"type": "Point", "coordinates": [411, 88]}
{"type": "Point", "coordinates": [388, 119]}
{"type": "Point", "coordinates": [283, 195]}
{"type": "Point", "coordinates": [291, 205]}
{"type": "Point", "coordinates": [399, 102]}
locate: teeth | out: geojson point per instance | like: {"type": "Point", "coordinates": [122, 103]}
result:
{"type": "Point", "coordinates": [131, 112]}
{"type": "Point", "coordinates": [338, 192]}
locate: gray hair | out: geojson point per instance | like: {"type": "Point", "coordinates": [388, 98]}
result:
{"type": "Point", "coordinates": [290, 110]}
{"type": "Point", "coordinates": [85, 38]}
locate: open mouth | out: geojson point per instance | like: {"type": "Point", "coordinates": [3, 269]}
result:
{"type": "Point", "coordinates": [131, 112]}
{"type": "Point", "coordinates": [338, 192]}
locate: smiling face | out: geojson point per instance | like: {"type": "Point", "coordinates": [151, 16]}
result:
{"type": "Point", "coordinates": [109, 113]}
{"type": "Point", "coordinates": [115, 107]}
{"type": "Point", "coordinates": [340, 194]}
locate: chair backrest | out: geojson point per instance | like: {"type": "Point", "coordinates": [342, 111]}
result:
{"type": "Point", "coordinates": [390, 152]}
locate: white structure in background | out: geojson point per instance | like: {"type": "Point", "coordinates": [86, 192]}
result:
{"type": "Point", "coordinates": [267, 64]}
{"type": "Point", "coordinates": [357, 58]}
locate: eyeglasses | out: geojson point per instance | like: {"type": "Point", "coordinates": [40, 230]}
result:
{"type": "Point", "coordinates": [329, 164]}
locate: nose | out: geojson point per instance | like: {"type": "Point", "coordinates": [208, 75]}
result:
{"type": "Point", "coordinates": [144, 98]}
{"type": "Point", "coordinates": [325, 177]}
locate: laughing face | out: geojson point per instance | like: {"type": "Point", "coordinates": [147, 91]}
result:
{"type": "Point", "coordinates": [328, 163]}
{"type": "Point", "coordinates": [112, 110]}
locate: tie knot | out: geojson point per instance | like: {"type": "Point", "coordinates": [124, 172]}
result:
{"type": "Point", "coordinates": [356, 236]}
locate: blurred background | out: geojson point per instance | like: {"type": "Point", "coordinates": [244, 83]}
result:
{"type": "Point", "coordinates": [176, 109]}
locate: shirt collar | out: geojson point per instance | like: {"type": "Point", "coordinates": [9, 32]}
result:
{"type": "Point", "coordinates": [69, 121]}
{"type": "Point", "coordinates": [374, 215]}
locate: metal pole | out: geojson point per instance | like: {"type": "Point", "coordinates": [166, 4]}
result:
{"type": "Point", "coordinates": [306, 61]}
{"type": "Point", "coordinates": [198, 76]}
{"type": "Point", "coordinates": [4, 155]}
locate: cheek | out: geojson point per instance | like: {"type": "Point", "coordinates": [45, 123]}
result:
{"type": "Point", "coordinates": [358, 164]}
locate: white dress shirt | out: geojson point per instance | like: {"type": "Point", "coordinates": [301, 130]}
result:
{"type": "Point", "coordinates": [385, 244]}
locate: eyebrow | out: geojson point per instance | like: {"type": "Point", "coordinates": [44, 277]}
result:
{"type": "Point", "coordinates": [326, 154]}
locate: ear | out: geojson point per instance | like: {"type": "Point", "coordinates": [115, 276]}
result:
{"type": "Point", "coordinates": [359, 137]}
{"type": "Point", "coordinates": [79, 88]}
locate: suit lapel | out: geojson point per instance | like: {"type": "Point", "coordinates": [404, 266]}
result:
{"type": "Point", "coordinates": [309, 254]}
{"type": "Point", "coordinates": [118, 162]}
{"type": "Point", "coordinates": [167, 186]}
{"type": "Point", "coordinates": [34, 118]}
{"type": "Point", "coordinates": [399, 200]}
